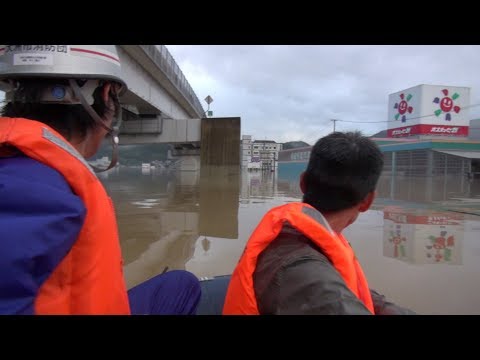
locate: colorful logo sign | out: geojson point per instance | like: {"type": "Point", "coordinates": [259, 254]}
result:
{"type": "Point", "coordinates": [403, 107]}
{"type": "Point", "coordinates": [426, 129]}
{"type": "Point", "coordinates": [440, 247]}
{"type": "Point", "coordinates": [398, 242]}
{"type": "Point", "coordinates": [447, 104]}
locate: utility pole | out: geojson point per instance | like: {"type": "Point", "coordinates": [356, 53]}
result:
{"type": "Point", "coordinates": [334, 121]}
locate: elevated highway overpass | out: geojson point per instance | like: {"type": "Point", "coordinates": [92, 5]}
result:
{"type": "Point", "coordinates": [160, 106]}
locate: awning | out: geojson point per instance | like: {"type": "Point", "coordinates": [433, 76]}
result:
{"type": "Point", "coordinates": [461, 153]}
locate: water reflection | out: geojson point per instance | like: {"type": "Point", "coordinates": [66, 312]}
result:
{"type": "Point", "coordinates": [206, 244]}
{"type": "Point", "coordinates": [426, 189]}
{"type": "Point", "coordinates": [420, 236]}
{"type": "Point", "coordinates": [258, 184]}
{"type": "Point", "coordinates": [200, 221]}
{"type": "Point", "coordinates": [161, 215]}
{"type": "Point", "coordinates": [219, 191]}
{"type": "Point", "coordinates": [253, 193]}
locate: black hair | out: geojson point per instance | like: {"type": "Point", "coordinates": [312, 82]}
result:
{"type": "Point", "coordinates": [343, 168]}
{"type": "Point", "coordinates": [68, 120]}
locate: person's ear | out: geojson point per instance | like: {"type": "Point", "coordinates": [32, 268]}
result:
{"type": "Point", "coordinates": [367, 202]}
{"type": "Point", "coordinates": [106, 92]}
{"type": "Point", "coordinates": [302, 182]}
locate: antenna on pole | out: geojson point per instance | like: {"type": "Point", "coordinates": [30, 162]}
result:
{"type": "Point", "coordinates": [334, 121]}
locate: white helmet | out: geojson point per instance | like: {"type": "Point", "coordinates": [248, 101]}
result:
{"type": "Point", "coordinates": [60, 61]}
{"type": "Point", "coordinates": [91, 63]}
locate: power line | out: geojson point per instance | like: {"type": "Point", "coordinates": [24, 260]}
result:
{"type": "Point", "coordinates": [387, 121]}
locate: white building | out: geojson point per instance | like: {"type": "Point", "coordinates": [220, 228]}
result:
{"type": "Point", "coordinates": [246, 150]}
{"type": "Point", "coordinates": [259, 154]}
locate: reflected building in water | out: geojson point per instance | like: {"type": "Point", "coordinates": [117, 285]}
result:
{"type": "Point", "coordinates": [423, 237]}
{"type": "Point", "coordinates": [288, 181]}
{"type": "Point", "coordinates": [219, 193]}
{"type": "Point", "coordinates": [257, 184]}
{"type": "Point", "coordinates": [454, 192]}
{"type": "Point", "coordinates": [161, 216]}
{"type": "Point", "coordinates": [206, 243]}
{"type": "Point", "coordinates": [158, 220]}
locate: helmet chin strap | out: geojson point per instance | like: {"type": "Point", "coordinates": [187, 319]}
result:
{"type": "Point", "coordinates": [112, 131]}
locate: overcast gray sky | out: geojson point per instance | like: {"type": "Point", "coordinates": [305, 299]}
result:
{"type": "Point", "coordinates": [286, 93]}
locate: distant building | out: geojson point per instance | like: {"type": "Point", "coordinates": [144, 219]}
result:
{"type": "Point", "coordinates": [246, 150]}
{"type": "Point", "coordinates": [474, 129]}
{"type": "Point", "coordinates": [259, 154]}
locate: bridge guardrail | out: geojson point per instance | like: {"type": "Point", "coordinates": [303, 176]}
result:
{"type": "Point", "coordinates": [170, 67]}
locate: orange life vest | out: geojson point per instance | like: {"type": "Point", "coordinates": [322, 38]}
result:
{"type": "Point", "coordinates": [89, 280]}
{"type": "Point", "coordinates": [240, 298]}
